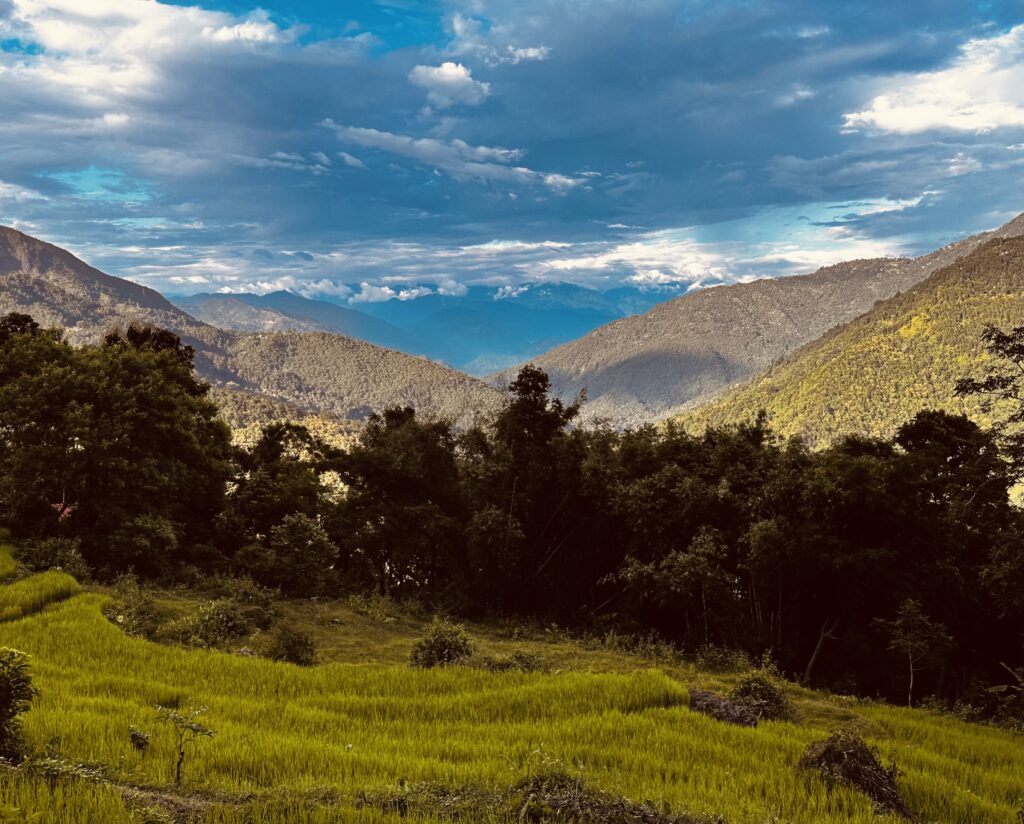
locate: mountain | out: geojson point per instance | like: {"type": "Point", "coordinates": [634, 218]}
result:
{"type": "Point", "coordinates": [58, 289]}
{"type": "Point", "coordinates": [688, 350]}
{"type": "Point", "coordinates": [231, 312]}
{"type": "Point", "coordinates": [315, 371]}
{"type": "Point", "coordinates": [872, 374]}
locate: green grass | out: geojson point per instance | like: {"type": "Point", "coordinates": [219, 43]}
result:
{"type": "Point", "coordinates": [32, 594]}
{"type": "Point", "coordinates": [8, 566]}
{"type": "Point", "coordinates": [284, 730]}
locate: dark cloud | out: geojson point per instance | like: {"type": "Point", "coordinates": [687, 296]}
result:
{"type": "Point", "coordinates": [204, 147]}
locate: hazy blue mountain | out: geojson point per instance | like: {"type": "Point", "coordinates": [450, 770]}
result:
{"type": "Point", "coordinates": [482, 331]}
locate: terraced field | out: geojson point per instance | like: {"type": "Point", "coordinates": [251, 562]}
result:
{"type": "Point", "coordinates": [305, 745]}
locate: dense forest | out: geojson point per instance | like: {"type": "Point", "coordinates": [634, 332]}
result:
{"type": "Point", "coordinates": [866, 567]}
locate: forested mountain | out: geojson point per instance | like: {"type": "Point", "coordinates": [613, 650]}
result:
{"type": "Point", "coordinates": [870, 375]}
{"type": "Point", "coordinates": [284, 311]}
{"type": "Point", "coordinates": [690, 349]}
{"type": "Point", "coordinates": [317, 372]}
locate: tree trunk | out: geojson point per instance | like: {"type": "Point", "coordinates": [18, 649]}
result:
{"type": "Point", "coordinates": [825, 633]}
{"type": "Point", "coordinates": [910, 683]}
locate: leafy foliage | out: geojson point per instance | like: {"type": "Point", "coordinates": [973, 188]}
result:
{"type": "Point", "coordinates": [444, 644]}
{"type": "Point", "coordinates": [16, 695]}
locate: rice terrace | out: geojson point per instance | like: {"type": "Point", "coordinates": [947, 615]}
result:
{"type": "Point", "coordinates": [511, 411]}
{"type": "Point", "coordinates": [345, 741]}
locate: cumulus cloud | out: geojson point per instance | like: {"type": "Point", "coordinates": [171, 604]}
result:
{"type": "Point", "coordinates": [449, 84]}
{"type": "Point", "coordinates": [471, 37]}
{"type": "Point", "coordinates": [455, 157]}
{"type": "Point", "coordinates": [982, 90]}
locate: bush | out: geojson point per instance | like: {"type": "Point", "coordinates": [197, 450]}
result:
{"type": "Point", "coordinates": [16, 694]}
{"type": "Point", "coordinates": [714, 658]}
{"type": "Point", "coordinates": [761, 693]}
{"type": "Point", "coordinates": [291, 645]}
{"type": "Point", "coordinates": [216, 622]}
{"type": "Point", "coordinates": [518, 661]}
{"type": "Point", "coordinates": [443, 645]}
{"type": "Point", "coordinates": [41, 554]}
{"type": "Point", "coordinates": [134, 609]}
{"type": "Point", "coordinates": [255, 602]}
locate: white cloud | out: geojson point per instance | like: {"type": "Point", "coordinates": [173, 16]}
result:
{"type": "Point", "coordinates": [471, 37]}
{"type": "Point", "coordinates": [455, 157]}
{"type": "Point", "coordinates": [449, 84]}
{"type": "Point", "coordinates": [19, 194]}
{"type": "Point", "coordinates": [982, 90]}
{"type": "Point", "coordinates": [351, 160]}
{"type": "Point", "coordinates": [369, 293]}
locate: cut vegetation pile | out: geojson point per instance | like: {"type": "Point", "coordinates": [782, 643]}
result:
{"type": "Point", "coordinates": [847, 758]}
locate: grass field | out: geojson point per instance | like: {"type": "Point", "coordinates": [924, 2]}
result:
{"type": "Point", "coordinates": [287, 735]}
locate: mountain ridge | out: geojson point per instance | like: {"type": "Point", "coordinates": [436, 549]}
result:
{"type": "Point", "coordinates": [686, 351]}
{"type": "Point", "coordinates": [315, 371]}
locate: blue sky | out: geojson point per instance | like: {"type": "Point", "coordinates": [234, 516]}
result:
{"type": "Point", "coordinates": [397, 146]}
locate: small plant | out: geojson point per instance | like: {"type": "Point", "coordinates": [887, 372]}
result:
{"type": "Point", "coordinates": [291, 645]}
{"type": "Point", "coordinates": [188, 732]}
{"type": "Point", "coordinates": [134, 609]}
{"type": "Point", "coordinates": [444, 644]}
{"type": "Point", "coordinates": [713, 658]}
{"type": "Point", "coordinates": [255, 602]}
{"type": "Point", "coordinates": [517, 661]}
{"type": "Point", "coordinates": [138, 739]}
{"type": "Point", "coordinates": [16, 695]}
{"type": "Point", "coordinates": [214, 623]}
{"type": "Point", "coordinates": [761, 693]}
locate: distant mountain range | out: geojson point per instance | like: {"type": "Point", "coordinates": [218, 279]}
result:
{"type": "Point", "coordinates": [906, 354]}
{"type": "Point", "coordinates": [314, 371]}
{"type": "Point", "coordinates": [686, 351]}
{"type": "Point", "coordinates": [481, 331]}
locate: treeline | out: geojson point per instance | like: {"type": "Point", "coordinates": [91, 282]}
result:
{"type": "Point", "coordinates": [858, 567]}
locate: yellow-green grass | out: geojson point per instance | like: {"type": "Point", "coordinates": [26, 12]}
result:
{"type": "Point", "coordinates": [31, 594]}
{"type": "Point", "coordinates": [8, 566]}
{"type": "Point", "coordinates": [365, 727]}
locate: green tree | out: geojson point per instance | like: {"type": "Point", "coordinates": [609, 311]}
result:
{"type": "Point", "coordinates": [917, 638]}
{"type": "Point", "coordinates": [188, 732]}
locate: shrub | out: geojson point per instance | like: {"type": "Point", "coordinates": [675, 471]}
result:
{"type": "Point", "coordinates": [213, 624]}
{"type": "Point", "coordinates": [517, 661]}
{"type": "Point", "coordinates": [291, 645]}
{"type": "Point", "coordinates": [133, 609]}
{"type": "Point", "coordinates": [761, 693]}
{"type": "Point", "coordinates": [16, 694]}
{"type": "Point", "coordinates": [255, 602]}
{"type": "Point", "coordinates": [714, 658]}
{"type": "Point", "coordinates": [444, 644]}
{"type": "Point", "coordinates": [41, 554]}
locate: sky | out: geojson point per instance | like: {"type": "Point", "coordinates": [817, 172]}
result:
{"type": "Point", "coordinates": [367, 149]}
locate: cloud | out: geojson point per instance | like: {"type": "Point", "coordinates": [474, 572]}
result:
{"type": "Point", "coordinates": [455, 157]}
{"type": "Point", "coordinates": [18, 194]}
{"type": "Point", "coordinates": [982, 90]}
{"type": "Point", "coordinates": [470, 36]}
{"type": "Point", "coordinates": [449, 84]}
{"type": "Point", "coordinates": [351, 160]}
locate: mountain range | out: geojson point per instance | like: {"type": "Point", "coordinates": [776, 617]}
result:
{"type": "Point", "coordinates": [854, 347]}
{"type": "Point", "coordinates": [480, 331]}
{"type": "Point", "coordinates": [686, 351]}
{"type": "Point", "coordinates": [314, 371]}
{"type": "Point", "coordinates": [906, 354]}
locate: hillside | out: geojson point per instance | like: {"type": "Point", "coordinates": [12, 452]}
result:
{"type": "Point", "coordinates": [230, 312]}
{"type": "Point", "coordinates": [872, 374]}
{"type": "Point", "coordinates": [316, 372]}
{"type": "Point", "coordinates": [379, 741]}
{"type": "Point", "coordinates": [690, 349]}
